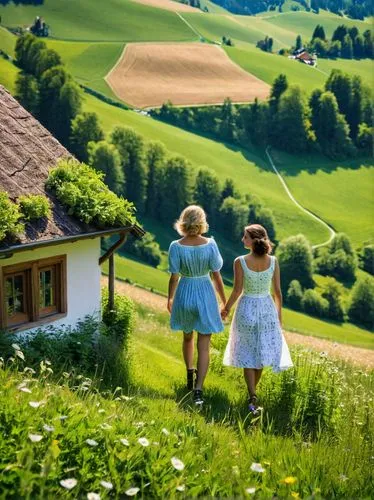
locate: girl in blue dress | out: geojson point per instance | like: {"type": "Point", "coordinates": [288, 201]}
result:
{"type": "Point", "coordinates": [192, 300]}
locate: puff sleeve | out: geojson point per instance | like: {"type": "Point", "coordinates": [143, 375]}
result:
{"type": "Point", "coordinates": [216, 260]}
{"type": "Point", "coordinates": [173, 256]}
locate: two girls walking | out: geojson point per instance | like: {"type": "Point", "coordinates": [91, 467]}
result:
{"type": "Point", "coordinates": [256, 338]}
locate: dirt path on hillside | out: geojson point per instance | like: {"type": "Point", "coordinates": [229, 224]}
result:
{"type": "Point", "coordinates": [356, 355]}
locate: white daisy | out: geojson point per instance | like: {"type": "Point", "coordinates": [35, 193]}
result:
{"type": "Point", "coordinates": [250, 491]}
{"type": "Point", "coordinates": [257, 467]}
{"type": "Point", "coordinates": [131, 492]}
{"type": "Point", "coordinates": [35, 404]}
{"type": "Point", "coordinates": [143, 441]}
{"type": "Point", "coordinates": [68, 483]}
{"type": "Point", "coordinates": [105, 426]}
{"type": "Point", "coordinates": [124, 442]}
{"type": "Point", "coordinates": [25, 389]}
{"type": "Point", "coordinates": [92, 442]}
{"type": "Point", "coordinates": [48, 428]}
{"type": "Point", "coordinates": [106, 484]}
{"type": "Point", "coordinates": [165, 431]}
{"type": "Point", "coordinates": [93, 496]}
{"type": "Point", "coordinates": [177, 464]}
{"type": "Point", "coordinates": [35, 438]}
{"type": "Point", "coordinates": [181, 487]}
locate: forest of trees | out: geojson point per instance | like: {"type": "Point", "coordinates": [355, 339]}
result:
{"type": "Point", "coordinates": [336, 120]}
{"type": "Point", "coordinates": [357, 9]}
{"type": "Point", "coordinates": [347, 43]}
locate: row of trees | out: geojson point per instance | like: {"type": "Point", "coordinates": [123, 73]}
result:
{"type": "Point", "coordinates": [336, 121]}
{"type": "Point", "coordinates": [45, 88]}
{"type": "Point", "coordinates": [339, 262]}
{"type": "Point", "coordinates": [345, 42]}
{"type": "Point", "coordinates": [357, 9]}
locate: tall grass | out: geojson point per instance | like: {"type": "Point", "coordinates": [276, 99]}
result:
{"type": "Point", "coordinates": [312, 441]}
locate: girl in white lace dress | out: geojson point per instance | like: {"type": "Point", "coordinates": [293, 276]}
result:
{"type": "Point", "coordinates": [256, 338]}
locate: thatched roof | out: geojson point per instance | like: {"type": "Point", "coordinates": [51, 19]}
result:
{"type": "Point", "coordinates": [27, 152]}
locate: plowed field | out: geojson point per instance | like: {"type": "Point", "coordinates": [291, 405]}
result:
{"type": "Point", "coordinates": [149, 74]}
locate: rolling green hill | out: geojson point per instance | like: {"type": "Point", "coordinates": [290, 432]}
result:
{"type": "Point", "coordinates": [89, 62]}
{"type": "Point", "coordinates": [91, 20]}
{"type": "Point", "coordinates": [303, 23]}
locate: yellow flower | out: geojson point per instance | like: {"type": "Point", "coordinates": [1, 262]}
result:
{"type": "Point", "coordinates": [266, 462]}
{"type": "Point", "coordinates": [289, 480]}
{"type": "Point", "coordinates": [294, 494]}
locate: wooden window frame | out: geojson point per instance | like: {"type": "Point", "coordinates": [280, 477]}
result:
{"type": "Point", "coordinates": [31, 270]}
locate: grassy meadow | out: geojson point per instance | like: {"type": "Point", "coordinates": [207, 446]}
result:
{"type": "Point", "coordinates": [156, 280]}
{"type": "Point", "coordinates": [89, 63]}
{"type": "Point", "coordinates": [67, 435]}
{"type": "Point", "coordinates": [87, 20]}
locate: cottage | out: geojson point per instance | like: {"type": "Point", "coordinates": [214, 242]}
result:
{"type": "Point", "coordinates": [52, 273]}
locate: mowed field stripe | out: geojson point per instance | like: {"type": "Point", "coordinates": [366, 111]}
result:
{"type": "Point", "coordinates": [149, 74]}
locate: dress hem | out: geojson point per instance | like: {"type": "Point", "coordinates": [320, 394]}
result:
{"type": "Point", "coordinates": [178, 329]}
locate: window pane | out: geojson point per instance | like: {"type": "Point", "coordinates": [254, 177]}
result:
{"type": "Point", "coordinates": [14, 289]}
{"type": "Point", "coordinates": [46, 295]}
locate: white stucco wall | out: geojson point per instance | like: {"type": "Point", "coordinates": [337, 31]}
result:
{"type": "Point", "coordinates": [83, 276]}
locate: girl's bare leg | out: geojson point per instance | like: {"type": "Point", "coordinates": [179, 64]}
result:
{"type": "Point", "coordinates": [258, 374]}
{"type": "Point", "coordinates": [188, 349]}
{"type": "Point", "coordinates": [203, 343]}
{"type": "Point", "coordinates": [250, 379]}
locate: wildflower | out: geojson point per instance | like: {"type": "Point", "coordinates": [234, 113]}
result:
{"type": "Point", "coordinates": [155, 443]}
{"type": "Point", "coordinates": [93, 496]}
{"type": "Point", "coordinates": [294, 494]}
{"type": "Point", "coordinates": [138, 425]}
{"type": "Point", "coordinates": [24, 389]}
{"type": "Point", "coordinates": [343, 477]}
{"type": "Point", "coordinates": [165, 431]}
{"type": "Point", "coordinates": [181, 487]}
{"type": "Point", "coordinates": [48, 428]}
{"type": "Point", "coordinates": [105, 426]}
{"type": "Point", "coordinates": [124, 442]}
{"type": "Point", "coordinates": [143, 441]}
{"type": "Point", "coordinates": [131, 492]}
{"type": "Point", "coordinates": [257, 467]}
{"type": "Point", "coordinates": [101, 410]}
{"type": "Point", "coordinates": [177, 464]}
{"type": "Point", "coordinates": [68, 483]}
{"type": "Point", "coordinates": [91, 442]}
{"type": "Point", "coordinates": [250, 491]}
{"type": "Point", "coordinates": [20, 355]}
{"type": "Point", "coordinates": [35, 438]}
{"type": "Point", "coordinates": [35, 404]}
{"type": "Point", "coordinates": [27, 369]}
{"type": "Point", "coordinates": [106, 484]}
{"type": "Point", "coordinates": [62, 417]}
{"type": "Point", "coordinates": [289, 480]}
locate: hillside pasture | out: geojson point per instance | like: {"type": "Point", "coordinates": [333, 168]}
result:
{"type": "Point", "coordinates": [168, 5]}
{"type": "Point", "coordinates": [90, 20]}
{"type": "Point", "coordinates": [186, 74]}
{"type": "Point", "coordinates": [7, 41]}
{"type": "Point", "coordinates": [89, 62]}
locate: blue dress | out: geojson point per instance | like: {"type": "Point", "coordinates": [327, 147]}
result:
{"type": "Point", "coordinates": [195, 305]}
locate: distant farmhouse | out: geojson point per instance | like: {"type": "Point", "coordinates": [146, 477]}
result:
{"type": "Point", "coordinates": [51, 272]}
{"type": "Point", "coordinates": [39, 28]}
{"type": "Point", "coordinates": [303, 56]}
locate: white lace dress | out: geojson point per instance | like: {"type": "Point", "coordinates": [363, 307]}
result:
{"type": "Point", "coordinates": [256, 338]}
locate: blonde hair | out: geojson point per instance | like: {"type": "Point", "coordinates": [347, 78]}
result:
{"type": "Point", "coordinates": [192, 221]}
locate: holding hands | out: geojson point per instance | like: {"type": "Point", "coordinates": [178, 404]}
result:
{"type": "Point", "coordinates": [224, 312]}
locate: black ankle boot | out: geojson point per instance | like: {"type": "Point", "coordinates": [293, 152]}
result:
{"type": "Point", "coordinates": [191, 378]}
{"type": "Point", "coordinates": [198, 397]}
